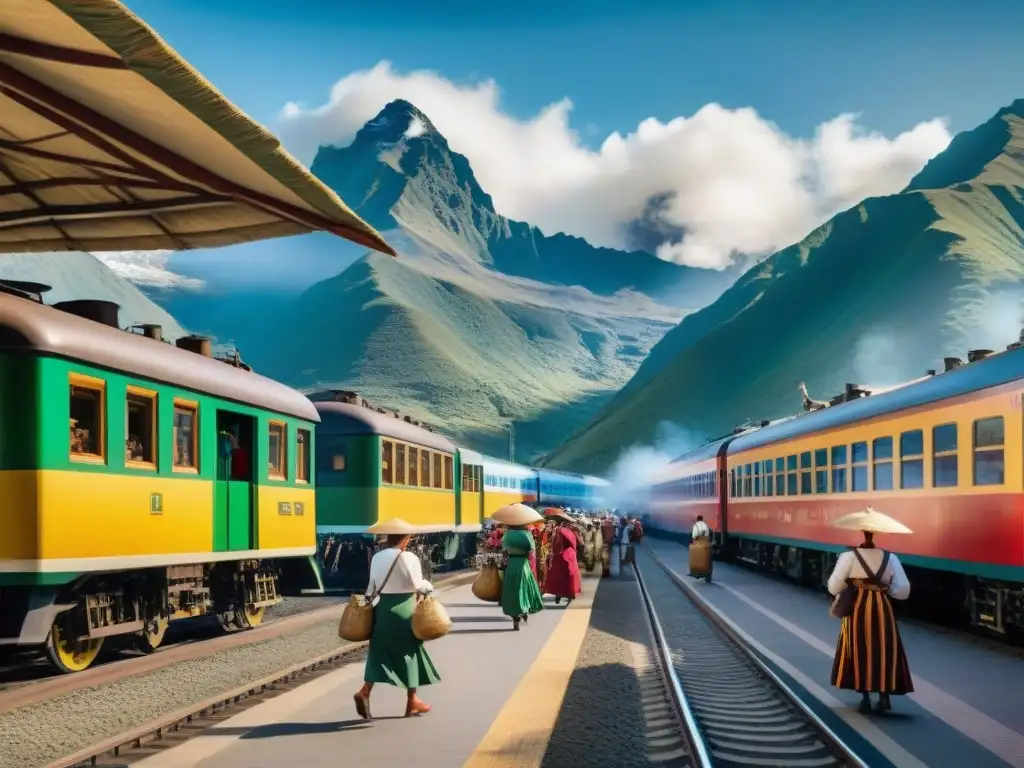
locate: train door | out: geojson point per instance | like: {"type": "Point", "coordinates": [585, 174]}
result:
{"type": "Point", "coordinates": [233, 528]}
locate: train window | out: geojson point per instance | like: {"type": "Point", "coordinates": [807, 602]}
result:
{"type": "Point", "coordinates": [399, 464]}
{"type": "Point", "coordinates": [140, 428]}
{"type": "Point", "coordinates": [791, 462]}
{"type": "Point", "coordinates": [838, 469]}
{"type": "Point", "coordinates": [945, 464]}
{"type": "Point", "coordinates": [277, 450]}
{"type": "Point", "coordinates": [302, 457]}
{"type": "Point", "coordinates": [859, 470]}
{"type": "Point", "coordinates": [467, 478]}
{"type": "Point", "coordinates": [780, 485]}
{"type": "Point", "coordinates": [791, 486]}
{"type": "Point", "coordinates": [387, 458]}
{"type": "Point", "coordinates": [338, 464]}
{"type": "Point", "coordinates": [912, 459]}
{"type": "Point", "coordinates": [414, 466]}
{"type": "Point", "coordinates": [748, 482]}
{"type": "Point", "coordinates": [732, 482]}
{"type": "Point", "coordinates": [989, 464]}
{"type": "Point", "coordinates": [821, 470]}
{"type": "Point", "coordinates": [780, 465]}
{"type": "Point", "coordinates": [448, 473]}
{"type": "Point", "coordinates": [806, 485]}
{"type": "Point", "coordinates": [769, 480]}
{"type": "Point", "coordinates": [438, 474]}
{"type": "Point", "coordinates": [186, 435]}
{"type": "Point", "coordinates": [88, 425]}
{"type": "Point", "coordinates": [757, 478]}
{"type": "Point", "coordinates": [881, 450]}
{"type": "Point", "coordinates": [805, 460]}
{"type": "Point", "coordinates": [425, 459]}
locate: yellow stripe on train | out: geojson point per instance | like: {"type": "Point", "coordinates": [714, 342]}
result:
{"type": "Point", "coordinates": [417, 506]}
{"type": "Point", "coordinates": [53, 514]}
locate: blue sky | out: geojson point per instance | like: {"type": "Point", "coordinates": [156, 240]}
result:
{"type": "Point", "coordinates": [797, 62]}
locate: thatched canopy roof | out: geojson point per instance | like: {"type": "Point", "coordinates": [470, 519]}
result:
{"type": "Point", "coordinates": [110, 141]}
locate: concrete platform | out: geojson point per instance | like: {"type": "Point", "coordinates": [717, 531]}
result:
{"type": "Point", "coordinates": [968, 707]}
{"type": "Point", "coordinates": [496, 705]}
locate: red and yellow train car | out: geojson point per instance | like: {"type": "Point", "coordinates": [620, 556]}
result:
{"type": "Point", "coordinates": [943, 456]}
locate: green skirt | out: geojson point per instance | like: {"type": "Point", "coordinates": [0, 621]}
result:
{"type": "Point", "coordinates": [395, 655]}
{"type": "Point", "coordinates": [520, 595]}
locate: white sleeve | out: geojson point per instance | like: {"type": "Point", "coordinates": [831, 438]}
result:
{"type": "Point", "coordinates": [416, 573]}
{"type": "Point", "coordinates": [899, 584]}
{"type": "Point", "coordinates": [837, 581]}
{"type": "Point", "coordinates": [374, 567]}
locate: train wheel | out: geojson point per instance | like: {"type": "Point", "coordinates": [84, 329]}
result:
{"type": "Point", "coordinates": [71, 656]}
{"type": "Point", "coordinates": [251, 616]}
{"type": "Point", "coordinates": [149, 639]}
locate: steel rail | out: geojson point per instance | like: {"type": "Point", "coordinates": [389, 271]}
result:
{"type": "Point", "coordinates": [726, 628]}
{"type": "Point", "coordinates": [699, 747]}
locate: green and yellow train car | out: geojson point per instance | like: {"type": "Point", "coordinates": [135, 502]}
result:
{"type": "Point", "coordinates": [371, 466]}
{"type": "Point", "coordinates": [140, 482]}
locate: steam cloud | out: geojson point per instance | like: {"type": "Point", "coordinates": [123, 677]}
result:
{"type": "Point", "coordinates": [633, 472]}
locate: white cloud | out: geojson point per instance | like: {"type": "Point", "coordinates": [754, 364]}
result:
{"type": "Point", "coordinates": [147, 268]}
{"type": "Point", "coordinates": [737, 183]}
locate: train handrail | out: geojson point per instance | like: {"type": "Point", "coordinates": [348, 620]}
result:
{"type": "Point", "coordinates": [762, 666]}
{"type": "Point", "coordinates": [700, 747]}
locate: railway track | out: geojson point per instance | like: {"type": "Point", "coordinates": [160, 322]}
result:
{"type": "Point", "coordinates": [733, 709]}
{"type": "Point", "coordinates": [24, 669]}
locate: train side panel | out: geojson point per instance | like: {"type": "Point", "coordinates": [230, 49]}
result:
{"type": "Point", "coordinates": [958, 525]}
{"type": "Point", "coordinates": [684, 492]}
{"type": "Point", "coordinates": [348, 482]}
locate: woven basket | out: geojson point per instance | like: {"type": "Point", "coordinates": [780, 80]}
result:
{"type": "Point", "coordinates": [487, 584]}
{"type": "Point", "coordinates": [356, 623]}
{"type": "Point", "coordinates": [430, 620]}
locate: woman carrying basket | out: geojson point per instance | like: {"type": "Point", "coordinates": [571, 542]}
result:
{"type": "Point", "coordinates": [520, 594]}
{"type": "Point", "coordinates": [395, 656]}
{"type": "Point", "coordinates": [869, 653]}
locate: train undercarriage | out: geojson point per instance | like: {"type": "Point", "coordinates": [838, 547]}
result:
{"type": "Point", "coordinates": [71, 623]}
{"type": "Point", "coordinates": [344, 559]}
{"type": "Point", "coordinates": [949, 598]}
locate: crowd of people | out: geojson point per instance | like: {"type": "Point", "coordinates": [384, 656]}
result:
{"type": "Point", "coordinates": [542, 554]}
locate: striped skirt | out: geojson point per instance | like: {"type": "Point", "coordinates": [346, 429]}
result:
{"type": "Point", "coordinates": [869, 653]}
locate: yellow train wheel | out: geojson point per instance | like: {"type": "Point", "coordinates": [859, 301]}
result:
{"type": "Point", "coordinates": [251, 616]}
{"type": "Point", "coordinates": [150, 638]}
{"type": "Point", "coordinates": [70, 656]}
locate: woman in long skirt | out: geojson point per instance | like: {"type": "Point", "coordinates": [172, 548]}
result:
{"type": "Point", "coordinates": [520, 595]}
{"type": "Point", "coordinates": [395, 656]}
{"type": "Point", "coordinates": [564, 579]}
{"type": "Point", "coordinates": [870, 657]}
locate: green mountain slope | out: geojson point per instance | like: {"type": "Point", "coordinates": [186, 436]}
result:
{"type": "Point", "coordinates": [76, 275]}
{"type": "Point", "coordinates": [876, 295]}
{"type": "Point", "coordinates": [481, 322]}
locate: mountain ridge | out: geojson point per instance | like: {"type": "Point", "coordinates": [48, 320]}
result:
{"type": "Point", "coordinates": [883, 290]}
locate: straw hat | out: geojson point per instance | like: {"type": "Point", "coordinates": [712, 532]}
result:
{"type": "Point", "coordinates": [557, 514]}
{"type": "Point", "coordinates": [870, 520]}
{"type": "Point", "coordinates": [515, 514]}
{"type": "Point", "coordinates": [394, 526]}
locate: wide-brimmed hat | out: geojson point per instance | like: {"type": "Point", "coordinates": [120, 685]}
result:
{"type": "Point", "coordinates": [870, 520]}
{"type": "Point", "coordinates": [394, 526]}
{"type": "Point", "coordinates": [556, 514]}
{"type": "Point", "coordinates": [516, 514]}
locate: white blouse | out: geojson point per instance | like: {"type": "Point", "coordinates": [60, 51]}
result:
{"type": "Point", "coordinates": [407, 576]}
{"type": "Point", "coordinates": [849, 567]}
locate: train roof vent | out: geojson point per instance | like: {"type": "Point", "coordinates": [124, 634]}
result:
{"type": "Point", "coordinates": [151, 331]}
{"type": "Point", "coordinates": [97, 310]}
{"type": "Point", "coordinates": [199, 345]}
{"type": "Point", "coordinates": [951, 364]}
{"type": "Point", "coordinates": [25, 289]}
{"type": "Point", "coordinates": [975, 355]}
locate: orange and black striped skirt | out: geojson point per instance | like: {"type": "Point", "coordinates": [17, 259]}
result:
{"type": "Point", "coordinates": [869, 653]}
